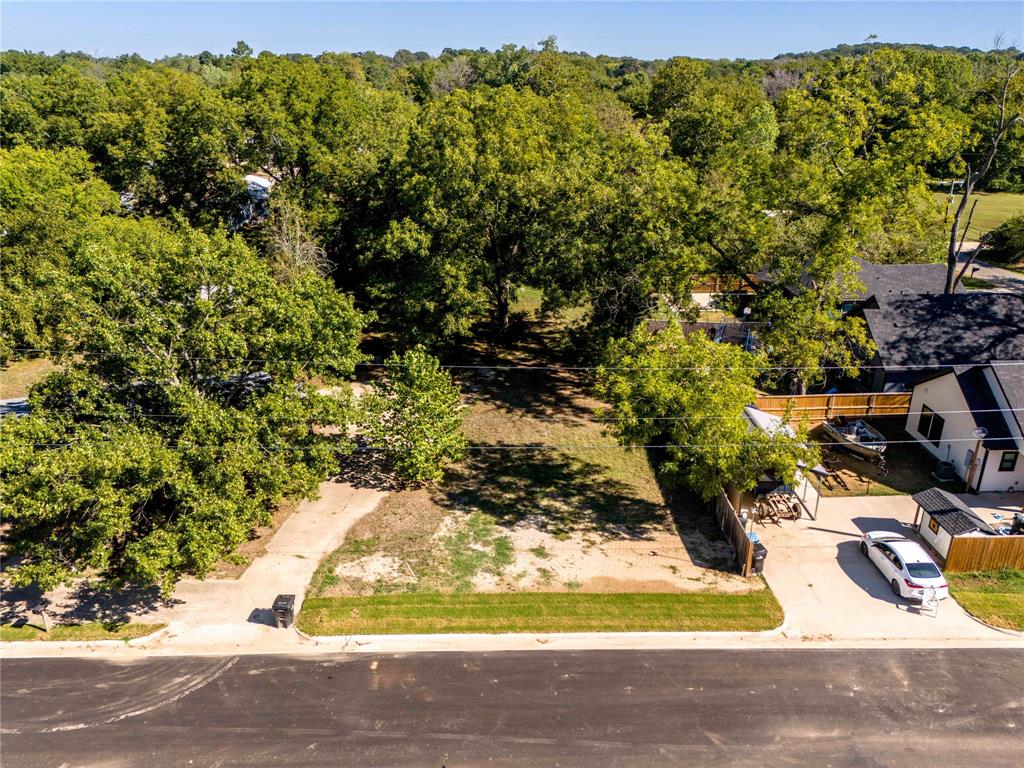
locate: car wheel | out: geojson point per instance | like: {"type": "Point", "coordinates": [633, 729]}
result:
{"type": "Point", "coordinates": [864, 548]}
{"type": "Point", "coordinates": [895, 587]}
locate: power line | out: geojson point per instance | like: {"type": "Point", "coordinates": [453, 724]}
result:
{"type": "Point", "coordinates": [495, 447]}
{"type": "Point", "coordinates": [566, 368]}
{"type": "Point", "coordinates": [595, 419]}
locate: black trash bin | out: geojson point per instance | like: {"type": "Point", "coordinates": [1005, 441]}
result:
{"type": "Point", "coordinates": [760, 553]}
{"type": "Point", "coordinates": [284, 610]}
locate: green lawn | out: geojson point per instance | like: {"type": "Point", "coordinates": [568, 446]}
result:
{"type": "Point", "coordinates": [996, 598]}
{"type": "Point", "coordinates": [993, 209]}
{"type": "Point", "coordinates": [91, 631]}
{"type": "Point", "coordinates": [18, 376]}
{"type": "Point", "coordinates": [541, 612]}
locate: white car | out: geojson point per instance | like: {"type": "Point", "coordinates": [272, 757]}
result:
{"type": "Point", "coordinates": [905, 564]}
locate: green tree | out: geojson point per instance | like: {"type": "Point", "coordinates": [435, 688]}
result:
{"type": "Point", "coordinates": [687, 392]}
{"type": "Point", "coordinates": [414, 415]}
{"type": "Point", "coordinates": [185, 411]}
{"type": "Point", "coordinates": [479, 197]}
{"type": "Point", "coordinates": [47, 199]}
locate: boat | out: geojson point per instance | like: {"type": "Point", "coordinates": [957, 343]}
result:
{"type": "Point", "coordinates": [856, 436]}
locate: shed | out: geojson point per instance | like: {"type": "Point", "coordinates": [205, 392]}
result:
{"type": "Point", "coordinates": [941, 517]}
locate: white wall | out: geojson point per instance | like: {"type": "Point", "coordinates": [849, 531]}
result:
{"type": "Point", "coordinates": [939, 541]}
{"type": "Point", "coordinates": [943, 394]}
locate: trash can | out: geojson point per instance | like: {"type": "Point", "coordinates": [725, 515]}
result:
{"type": "Point", "coordinates": [760, 553]}
{"type": "Point", "coordinates": [284, 610]}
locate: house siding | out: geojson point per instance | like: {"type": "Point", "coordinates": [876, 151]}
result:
{"type": "Point", "coordinates": [944, 396]}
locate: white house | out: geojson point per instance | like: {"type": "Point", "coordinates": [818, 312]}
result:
{"type": "Point", "coordinates": [948, 410]}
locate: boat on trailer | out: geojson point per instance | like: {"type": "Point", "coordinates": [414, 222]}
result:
{"type": "Point", "coordinates": [856, 436]}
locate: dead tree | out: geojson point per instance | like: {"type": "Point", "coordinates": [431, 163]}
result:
{"type": "Point", "coordinates": [1004, 122]}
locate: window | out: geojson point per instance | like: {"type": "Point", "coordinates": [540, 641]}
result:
{"type": "Point", "coordinates": [1008, 462]}
{"type": "Point", "coordinates": [930, 425]}
{"type": "Point", "coordinates": [933, 525]}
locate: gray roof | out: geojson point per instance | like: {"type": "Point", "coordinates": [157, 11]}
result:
{"type": "Point", "coordinates": [1011, 381]}
{"type": "Point", "coordinates": [952, 515]}
{"type": "Point", "coordinates": [931, 330]}
{"type": "Point", "coordinates": [885, 280]}
{"type": "Point", "coordinates": [985, 408]}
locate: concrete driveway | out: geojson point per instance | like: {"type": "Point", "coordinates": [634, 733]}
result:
{"type": "Point", "coordinates": [830, 591]}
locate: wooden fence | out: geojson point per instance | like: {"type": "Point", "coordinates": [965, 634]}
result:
{"type": "Point", "coordinates": [735, 532]}
{"type": "Point", "coordinates": [985, 553]}
{"type": "Point", "coordinates": [818, 408]}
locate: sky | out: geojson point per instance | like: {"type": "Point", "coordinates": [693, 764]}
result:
{"type": "Point", "coordinates": [715, 29]}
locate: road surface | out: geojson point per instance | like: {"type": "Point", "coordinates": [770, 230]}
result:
{"type": "Point", "coordinates": [595, 708]}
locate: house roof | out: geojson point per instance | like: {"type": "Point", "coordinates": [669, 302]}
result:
{"type": "Point", "coordinates": [885, 280]}
{"type": "Point", "coordinates": [920, 331]}
{"type": "Point", "coordinates": [952, 515]}
{"type": "Point", "coordinates": [985, 408]}
{"type": "Point", "coordinates": [1011, 381]}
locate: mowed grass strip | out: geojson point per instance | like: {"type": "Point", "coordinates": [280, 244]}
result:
{"type": "Point", "coordinates": [90, 631]}
{"type": "Point", "coordinates": [494, 613]}
{"type": "Point", "coordinates": [996, 598]}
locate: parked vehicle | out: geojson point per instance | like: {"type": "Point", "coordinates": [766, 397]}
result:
{"type": "Point", "coordinates": [905, 564]}
{"type": "Point", "coordinates": [856, 436]}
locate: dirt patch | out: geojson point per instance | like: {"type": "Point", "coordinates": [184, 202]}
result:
{"type": "Point", "coordinates": [235, 564]}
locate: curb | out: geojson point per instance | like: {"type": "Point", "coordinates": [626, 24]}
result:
{"type": "Point", "coordinates": [71, 644]}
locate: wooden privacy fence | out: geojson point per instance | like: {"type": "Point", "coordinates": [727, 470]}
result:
{"type": "Point", "coordinates": [985, 553]}
{"type": "Point", "coordinates": [735, 532]}
{"type": "Point", "coordinates": [819, 408]}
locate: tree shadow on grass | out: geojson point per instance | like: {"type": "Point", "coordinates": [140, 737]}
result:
{"type": "Point", "coordinates": [84, 603]}
{"type": "Point", "coordinates": [695, 522]}
{"type": "Point", "coordinates": [559, 494]}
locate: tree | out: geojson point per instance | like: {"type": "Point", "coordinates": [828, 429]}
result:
{"type": "Point", "coordinates": [481, 196]}
{"type": "Point", "coordinates": [1002, 105]}
{"type": "Point", "coordinates": [414, 415]}
{"type": "Point", "coordinates": [1006, 242]}
{"type": "Point", "coordinates": [184, 413]}
{"type": "Point", "coordinates": [47, 199]}
{"type": "Point", "coordinates": [242, 50]}
{"type": "Point", "coordinates": [687, 392]}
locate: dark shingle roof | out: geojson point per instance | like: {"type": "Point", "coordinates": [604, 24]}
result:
{"type": "Point", "coordinates": [952, 515]}
{"type": "Point", "coordinates": [963, 329]}
{"type": "Point", "coordinates": [985, 408]}
{"type": "Point", "coordinates": [1011, 381]}
{"type": "Point", "coordinates": [884, 280]}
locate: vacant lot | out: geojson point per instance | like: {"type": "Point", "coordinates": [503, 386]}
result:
{"type": "Point", "coordinates": [908, 466]}
{"type": "Point", "coordinates": [996, 598]}
{"type": "Point", "coordinates": [541, 612]}
{"type": "Point", "coordinates": [571, 513]}
{"type": "Point", "coordinates": [993, 209]}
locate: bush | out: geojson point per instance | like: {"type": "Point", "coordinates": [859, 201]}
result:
{"type": "Point", "coordinates": [1007, 242]}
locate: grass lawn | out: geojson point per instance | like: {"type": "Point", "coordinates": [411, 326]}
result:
{"type": "Point", "coordinates": [995, 597]}
{"type": "Point", "coordinates": [541, 612]}
{"type": "Point", "coordinates": [909, 466]}
{"type": "Point", "coordinates": [18, 376]}
{"type": "Point", "coordinates": [91, 631]}
{"type": "Point", "coordinates": [993, 209]}
{"type": "Point", "coordinates": [977, 284]}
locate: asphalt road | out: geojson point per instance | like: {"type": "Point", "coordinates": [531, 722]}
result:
{"type": "Point", "coordinates": [595, 709]}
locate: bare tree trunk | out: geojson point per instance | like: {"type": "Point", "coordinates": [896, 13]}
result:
{"type": "Point", "coordinates": [972, 177]}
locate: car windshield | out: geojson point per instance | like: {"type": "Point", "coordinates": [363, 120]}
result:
{"type": "Point", "coordinates": [923, 570]}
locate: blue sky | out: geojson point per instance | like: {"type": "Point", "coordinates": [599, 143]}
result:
{"type": "Point", "coordinates": [642, 29]}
